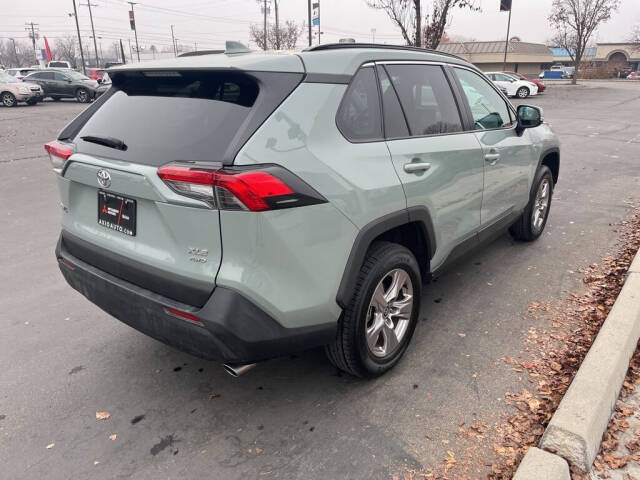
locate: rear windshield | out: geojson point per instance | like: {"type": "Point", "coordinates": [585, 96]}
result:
{"type": "Point", "coordinates": [171, 116]}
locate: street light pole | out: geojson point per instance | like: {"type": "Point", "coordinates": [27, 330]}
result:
{"type": "Point", "coordinates": [15, 52]}
{"type": "Point", "coordinates": [506, 43]}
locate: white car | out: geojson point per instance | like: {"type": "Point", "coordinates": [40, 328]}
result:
{"type": "Point", "coordinates": [59, 64]}
{"type": "Point", "coordinates": [514, 86]}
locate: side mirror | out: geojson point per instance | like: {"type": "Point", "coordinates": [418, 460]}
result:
{"type": "Point", "coordinates": [529, 117]}
{"type": "Point", "coordinates": [99, 80]}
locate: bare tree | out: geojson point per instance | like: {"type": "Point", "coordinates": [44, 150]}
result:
{"type": "Point", "coordinates": [22, 56]}
{"type": "Point", "coordinates": [575, 21]}
{"type": "Point", "coordinates": [635, 37]}
{"type": "Point", "coordinates": [66, 48]}
{"type": "Point", "coordinates": [407, 16]}
{"type": "Point", "coordinates": [284, 37]}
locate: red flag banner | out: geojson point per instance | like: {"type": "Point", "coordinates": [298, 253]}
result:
{"type": "Point", "coordinates": [46, 46]}
{"type": "Point", "coordinates": [505, 5]}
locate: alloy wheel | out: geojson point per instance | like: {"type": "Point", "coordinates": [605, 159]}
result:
{"type": "Point", "coordinates": [389, 313]}
{"type": "Point", "coordinates": [8, 100]}
{"type": "Point", "coordinates": [541, 205]}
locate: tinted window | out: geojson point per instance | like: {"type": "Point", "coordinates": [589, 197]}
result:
{"type": "Point", "coordinates": [189, 116]}
{"type": "Point", "coordinates": [395, 125]}
{"type": "Point", "coordinates": [42, 75]}
{"type": "Point", "coordinates": [358, 117]}
{"type": "Point", "coordinates": [61, 76]}
{"type": "Point", "coordinates": [426, 98]}
{"type": "Point", "coordinates": [488, 108]}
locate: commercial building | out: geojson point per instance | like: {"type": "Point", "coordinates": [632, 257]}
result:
{"type": "Point", "coordinates": [523, 57]}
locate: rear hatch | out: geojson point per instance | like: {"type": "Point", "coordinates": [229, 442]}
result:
{"type": "Point", "coordinates": [161, 234]}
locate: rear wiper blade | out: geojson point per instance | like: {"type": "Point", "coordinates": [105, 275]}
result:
{"type": "Point", "coordinates": [106, 141]}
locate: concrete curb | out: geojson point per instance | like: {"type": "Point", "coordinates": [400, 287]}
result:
{"type": "Point", "coordinates": [576, 428]}
{"type": "Point", "coordinates": [540, 465]}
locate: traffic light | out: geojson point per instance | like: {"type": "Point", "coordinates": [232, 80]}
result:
{"type": "Point", "coordinates": [505, 5]}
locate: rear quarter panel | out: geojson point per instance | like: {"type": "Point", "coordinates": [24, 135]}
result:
{"type": "Point", "coordinates": [290, 262]}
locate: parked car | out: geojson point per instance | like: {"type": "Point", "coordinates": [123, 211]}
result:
{"type": "Point", "coordinates": [20, 73]}
{"type": "Point", "coordinates": [634, 76]}
{"type": "Point", "coordinates": [59, 64]}
{"type": "Point", "coordinates": [105, 84]}
{"type": "Point", "coordinates": [59, 84]}
{"type": "Point", "coordinates": [13, 91]}
{"type": "Point", "coordinates": [514, 86]}
{"type": "Point", "coordinates": [95, 73]}
{"type": "Point", "coordinates": [330, 223]}
{"type": "Point", "coordinates": [541, 86]}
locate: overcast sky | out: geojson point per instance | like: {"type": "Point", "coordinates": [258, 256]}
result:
{"type": "Point", "coordinates": [210, 22]}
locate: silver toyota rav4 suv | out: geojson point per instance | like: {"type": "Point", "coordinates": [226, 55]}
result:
{"type": "Point", "coordinates": [243, 206]}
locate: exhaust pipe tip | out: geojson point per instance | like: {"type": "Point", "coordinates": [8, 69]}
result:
{"type": "Point", "coordinates": [237, 369]}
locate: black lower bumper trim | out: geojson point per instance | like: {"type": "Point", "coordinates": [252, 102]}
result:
{"type": "Point", "coordinates": [232, 329]}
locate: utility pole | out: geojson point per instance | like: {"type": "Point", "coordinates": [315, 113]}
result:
{"type": "Point", "coordinates": [30, 28]}
{"type": "Point", "coordinates": [278, 46]}
{"type": "Point", "coordinates": [135, 28]}
{"type": "Point", "coordinates": [95, 43]}
{"type": "Point", "coordinates": [309, 20]}
{"type": "Point", "coordinates": [265, 24]}
{"type": "Point", "coordinates": [173, 41]}
{"type": "Point", "coordinates": [15, 52]}
{"type": "Point", "coordinates": [75, 14]}
{"type": "Point", "coordinates": [124, 59]}
{"type": "Point", "coordinates": [130, 50]}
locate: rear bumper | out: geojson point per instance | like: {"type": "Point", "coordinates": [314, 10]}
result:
{"type": "Point", "coordinates": [231, 329]}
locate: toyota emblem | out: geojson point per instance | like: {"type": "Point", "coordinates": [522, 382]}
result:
{"type": "Point", "coordinates": [104, 179]}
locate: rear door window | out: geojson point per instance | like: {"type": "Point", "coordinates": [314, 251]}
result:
{"type": "Point", "coordinates": [395, 125]}
{"type": "Point", "coordinates": [426, 98]}
{"type": "Point", "coordinates": [359, 117]}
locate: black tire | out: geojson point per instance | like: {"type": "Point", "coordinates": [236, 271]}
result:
{"type": "Point", "coordinates": [56, 99]}
{"type": "Point", "coordinates": [350, 351]}
{"type": "Point", "coordinates": [8, 99]}
{"type": "Point", "coordinates": [525, 228]}
{"type": "Point", "coordinates": [523, 92]}
{"type": "Point", "coordinates": [82, 95]}
{"type": "Point", "coordinates": [32, 102]}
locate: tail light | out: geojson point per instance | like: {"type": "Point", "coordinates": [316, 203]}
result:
{"type": "Point", "coordinates": [58, 154]}
{"type": "Point", "coordinates": [260, 188]}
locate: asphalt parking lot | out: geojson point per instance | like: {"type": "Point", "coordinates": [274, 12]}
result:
{"type": "Point", "coordinates": [175, 416]}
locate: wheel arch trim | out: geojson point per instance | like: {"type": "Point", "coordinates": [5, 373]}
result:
{"type": "Point", "coordinates": [367, 234]}
{"type": "Point", "coordinates": [546, 153]}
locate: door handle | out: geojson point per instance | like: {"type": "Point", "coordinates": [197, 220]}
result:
{"type": "Point", "coordinates": [492, 158]}
{"type": "Point", "coordinates": [416, 167]}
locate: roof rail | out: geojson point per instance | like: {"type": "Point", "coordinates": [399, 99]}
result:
{"type": "Point", "coordinates": [381, 46]}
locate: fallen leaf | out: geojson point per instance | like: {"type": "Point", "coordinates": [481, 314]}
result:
{"type": "Point", "coordinates": [214, 395]}
{"type": "Point", "coordinates": [102, 415]}
{"type": "Point", "coordinates": [50, 445]}
{"type": "Point", "coordinates": [113, 437]}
